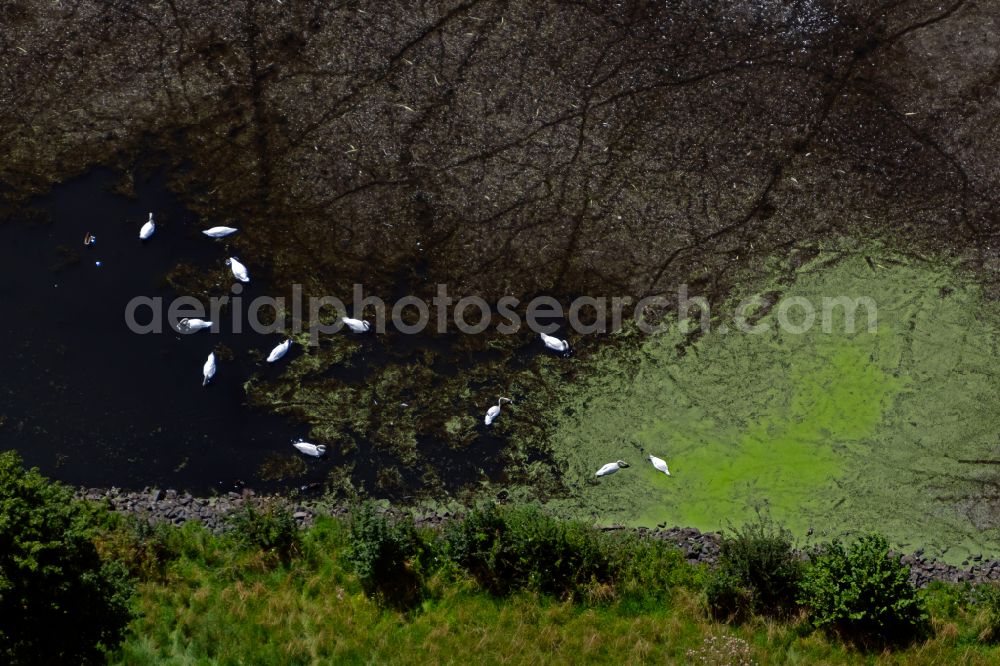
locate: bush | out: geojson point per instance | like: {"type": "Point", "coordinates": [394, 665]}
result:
{"type": "Point", "coordinates": [863, 593]}
{"type": "Point", "coordinates": [273, 531]}
{"type": "Point", "coordinates": [987, 597]}
{"type": "Point", "coordinates": [758, 572]}
{"type": "Point", "coordinates": [142, 547]}
{"type": "Point", "coordinates": [510, 549]}
{"type": "Point", "coordinates": [506, 549]}
{"type": "Point", "coordinates": [646, 571]}
{"type": "Point", "coordinates": [729, 597]}
{"type": "Point", "coordinates": [60, 602]}
{"type": "Point", "coordinates": [388, 556]}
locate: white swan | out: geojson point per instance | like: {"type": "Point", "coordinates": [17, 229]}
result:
{"type": "Point", "coordinates": [611, 468]}
{"type": "Point", "coordinates": [239, 270]}
{"type": "Point", "coordinates": [314, 450]}
{"type": "Point", "coordinates": [555, 343]}
{"type": "Point", "coordinates": [192, 325]}
{"type": "Point", "coordinates": [219, 232]}
{"type": "Point", "coordinates": [279, 351]}
{"type": "Point", "coordinates": [356, 325]}
{"type": "Point", "coordinates": [147, 229]}
{"type": "Point", "coordinates": [208, 370]}
{"type": "Point", "coordinates": [660, 464]}
{"type": "Point", "coordinates": [493, 412]}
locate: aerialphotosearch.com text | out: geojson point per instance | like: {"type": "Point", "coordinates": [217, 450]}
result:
{"type": "Point", "coordinates": [585, 315]}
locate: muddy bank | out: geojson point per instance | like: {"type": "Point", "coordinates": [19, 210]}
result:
{"type": "Point", "coordinates": [517, 147]}
{"type": "Point", "coordinates": [169, 506]}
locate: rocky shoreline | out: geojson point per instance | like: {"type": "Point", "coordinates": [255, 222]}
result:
{"type": "Point", "coordinates": [177, 508]}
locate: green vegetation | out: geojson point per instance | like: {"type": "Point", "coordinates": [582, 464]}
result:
{"type": "Point", "coordinates": [59, 601]}
{"type": "Point", "coordinates": [388, 557]}
{"type": "Point", "coordinates": [758, 573]}
{"type": "Point", "coordinates": [503, 585]}
{"type": "Point", "coordinates": [506, 550]}
{"type": "Point", "coordinates": [988, 599]}
{"type": "Point", "coordinates": [273, 531]}
{"type": "Point", "coordinates": [863, 593]}
{"type": "Point", "coordinates": [634, 600]}
{"type": "Point", "coordinates": [845, 432]}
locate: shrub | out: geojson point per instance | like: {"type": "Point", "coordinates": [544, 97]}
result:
{"type": "Point", "coordinates": [510, 549]}
{"type": "Point", "coordinates": [142, 547]}
{"type": "Point", "coordinates": [60, 602]}
{"type": "Point", "coordinates": [729, 597]}
{"type": "Point", "coordinates": [758, 572]}
{"type": "Point", "coordinates": [948, 601]}
{"type": "Point", "coordinates": [272, 530]}
{"type": "Point", "coordinates": [646, 571]}
{"type": "Point", "coordinates": [987, 597]}
{"type": "Point", "coordinates": [863, 593]}
{"type": "Point", "coordinates": [388, 557]}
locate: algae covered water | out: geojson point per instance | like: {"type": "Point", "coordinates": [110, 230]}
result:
{"type": "Point", "coordinates": [895, 429]}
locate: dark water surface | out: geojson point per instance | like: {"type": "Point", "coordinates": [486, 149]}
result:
{"type": "Point", "coordinates": [90, 402]}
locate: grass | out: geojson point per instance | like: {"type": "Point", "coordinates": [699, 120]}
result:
{"type": "Point", "coordinates": [217, 602]}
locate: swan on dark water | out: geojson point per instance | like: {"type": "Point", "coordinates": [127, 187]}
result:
{"type": "Point", "coordinates": [208, 370]}
{"type": "Point", "coordinates": [279, 351]}
{"type": "Point", "coordinates": [191, 325]}
{"type": "Point", "coordinates": [147, 229]}
{"type": "Point", "coordinates": [219, 232]}
{"type": "Point", "coordinates": [356, 325]}
{"type": "Point", "coordinates": [493, 412]}
{"type": "Point", "coordinates": [314, 450]}
{"type": "Point", "coordinates": [239, 270]}
{"type": "Point", "coordinates": [555, 343]}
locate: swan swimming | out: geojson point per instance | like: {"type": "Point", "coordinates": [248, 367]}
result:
{"type": "Point", "coordinates": [239, 270]}
{"type": "Point", "coordinates": [555, 343]}
{"type": "Point", "coordinates": [279, 351]}
{"type": "Point", "coordinates": [493, 412]}
{"type": "Point", "coordinates": [314, 450]}
{"type": "Point", "coordinates": [219, 232]}
{"type": "Point", "coordinates": [191, 325]}
{"type": "Point", "coordinates": [147, 229]}
{"type": "Point", "coordinates": [356, 325]}
{"type": "Point", "coordinates": [660, 464]}
{"type": "Point", "coordinates": [611, 468]}
{"type": "Point", "coordinates": [208, 370]}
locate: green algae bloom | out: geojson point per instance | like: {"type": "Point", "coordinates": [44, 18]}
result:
{"type": "Point", "coordinates": [841, 428]}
